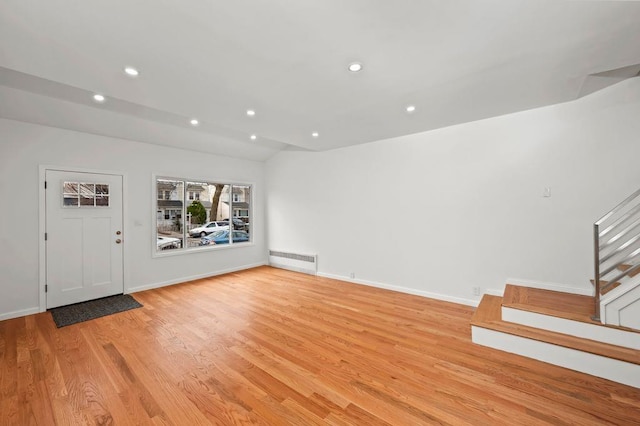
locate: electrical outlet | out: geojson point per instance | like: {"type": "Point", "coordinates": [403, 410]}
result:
{"type": "Point", "coordinates": [477, 291]}
{"type": "Point", "coordinates": [352, 275]}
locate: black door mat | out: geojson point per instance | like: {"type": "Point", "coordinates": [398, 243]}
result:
{"type": "Point", "coordinates": [85, 311]}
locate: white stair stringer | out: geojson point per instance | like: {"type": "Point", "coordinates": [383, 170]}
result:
{"type": "Point", "coordinates": [621, 306]}
{"type": "Point", "coordinates": [600, 333]}
{"type": "Point", "coordinates": [584, 362]}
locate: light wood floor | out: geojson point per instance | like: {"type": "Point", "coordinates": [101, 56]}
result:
{"type": "Point", "coordinates": [267, 346]}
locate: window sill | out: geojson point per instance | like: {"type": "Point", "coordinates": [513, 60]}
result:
{"type": "Point", "coordinates": [201, 249]}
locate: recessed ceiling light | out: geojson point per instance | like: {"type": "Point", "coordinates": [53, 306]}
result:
{"type": "Point", "coordinates": [355, 67]}
{"type": "Point", "coordinates": [194, 122]}
{"type": "Point", "coordinates": [410, 108]}
{"type": "Point", "coordinates": [132, 72]}
{"type": "Point", "coordinates": [315, 134]}
{"type": "Point", "coordinates": [251, 113]}
{"type": "Point", "coordinates": [99, 98]}
{"type": "Point", "coordinates": [254, 137]}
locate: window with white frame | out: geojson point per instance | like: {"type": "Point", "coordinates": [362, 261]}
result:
{"type": "Point", "coordinates": [192, 215]}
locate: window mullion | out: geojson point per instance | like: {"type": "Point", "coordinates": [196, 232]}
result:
{"type": "Point", "coordinates": [184, 215]}
{"type": "Point", "coordinates": [230, 214]}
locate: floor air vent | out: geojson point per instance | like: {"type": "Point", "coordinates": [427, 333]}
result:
{"type": "Point", "coordinates": [307, 263]}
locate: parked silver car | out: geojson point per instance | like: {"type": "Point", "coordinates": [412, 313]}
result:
{"type": "Point", "coordinates": [209, 228]}
{"type": "Point", "coordinates": [168, 243]}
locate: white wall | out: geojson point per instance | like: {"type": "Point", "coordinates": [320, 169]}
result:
{"type": "Point", "coordinates": [440, 212]}
{"type": "Point", "coordinates": [621, 306]}
{"type": "Point", "coordinates": [24, 147]}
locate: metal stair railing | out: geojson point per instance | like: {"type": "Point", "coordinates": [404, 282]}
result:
{"type": "Point", "coordinates": [616, 246]}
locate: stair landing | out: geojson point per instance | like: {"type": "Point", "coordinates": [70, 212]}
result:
{"type": "Point", "coordinates": [563, 305]}
{"type": "Point", "coordinates": [575, 307]}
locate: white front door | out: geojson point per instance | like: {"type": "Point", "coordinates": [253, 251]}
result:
{"type": "Point", "coordinates": [84, 236]}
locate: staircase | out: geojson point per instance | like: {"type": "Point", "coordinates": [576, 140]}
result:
{"type": "Point", "coordinates": [616, 241]}
{"type": "Point", "coordinates": [557, 328]}
{"type": "Point", "coordinates": [597, 335]}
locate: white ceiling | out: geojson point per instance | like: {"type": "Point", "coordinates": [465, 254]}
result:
{"type": "Point", "coordinates": [456, 61]}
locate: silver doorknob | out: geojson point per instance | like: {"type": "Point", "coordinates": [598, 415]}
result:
{"type": "Point", "coordinates": [118, 241]}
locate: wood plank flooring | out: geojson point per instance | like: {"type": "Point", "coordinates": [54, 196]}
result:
{"type": "Point", "coordinates": [272, 347]}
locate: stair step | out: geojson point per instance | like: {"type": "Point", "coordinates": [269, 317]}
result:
{"type": "Point", "coordinates": [567, 307]}
{"type": "Point", "coordinates": [625, 267]}
{"type": "Point", "coordinates": [575, 307]}
{"type": "Point", "coordinates": [488, 315]}
{"type": "Point", "coordinates": [603, 286]}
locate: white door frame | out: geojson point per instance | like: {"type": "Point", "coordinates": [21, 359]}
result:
{"type": "Point", "coordinates": [42, 249]}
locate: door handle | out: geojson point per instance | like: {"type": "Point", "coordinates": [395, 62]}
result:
{"type": "Point", "coordinates": [118, 232]}
{"type": "Point", "coordinates": [118, 241]}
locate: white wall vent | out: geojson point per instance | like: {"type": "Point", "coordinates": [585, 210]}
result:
{"type": "Point", "coordinates": [306, 263]}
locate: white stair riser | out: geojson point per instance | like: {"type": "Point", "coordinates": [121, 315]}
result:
{"type": "Point", "coordinates": [595, 365]}
{"type": "Point", "coordinates": [584, 330]}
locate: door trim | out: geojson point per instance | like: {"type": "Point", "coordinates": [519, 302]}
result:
{"type": "Point", "coordinates": [42, 207]}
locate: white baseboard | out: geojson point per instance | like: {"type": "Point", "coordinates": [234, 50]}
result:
{"type": "Point", "coordinates": [192, 278]}
{"type": "Point", "coordinates": [584, 362]}
{"type": "Point", "coordinates": [292, 268]}
{"type": "Point", "coordinates": [407, 290]}
{"type": "Point", "coordinates": [494, 292]}
{"type": "Point", "coordinates": [551, 286]}
{"type": "Point", "coordinates": [612, 336]}
{"type": "Point", "coordinates": [20, 313]}
{"type": "Point", "coordinates": [31, 311]}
